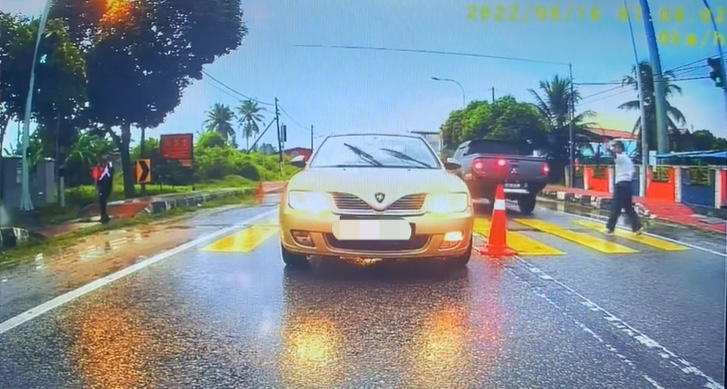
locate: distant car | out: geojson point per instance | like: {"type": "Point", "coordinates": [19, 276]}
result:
{"type": "Point", "coordinates": [486, 163]}
{"type": "Point", "coordinates": [375, 196]}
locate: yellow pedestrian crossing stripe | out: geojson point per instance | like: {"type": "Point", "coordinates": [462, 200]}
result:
{"type": "Point", "coordinates": [521, 243]}
{"type": "Point", "coordinates": [589, 241]}
{"type": "Point", "coordinates": [246, 240]}
{"type": "Point", "coordinates": [643, 239]}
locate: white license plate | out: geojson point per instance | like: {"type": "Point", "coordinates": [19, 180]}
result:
{"type": "Point", "coordinates": [371, 230]}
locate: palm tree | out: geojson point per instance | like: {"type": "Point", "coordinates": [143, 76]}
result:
{"type": "Point", "coordinates": [674, 115]}
{"type": "Point", "coordinates": [248, 115]}
{"type": "Point", "coordinates": [553, 102]}
{"type": "Point", "coordinates": [219, 119]}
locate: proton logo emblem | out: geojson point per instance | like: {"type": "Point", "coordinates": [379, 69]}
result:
{"type": "Point", "coordinates": [379, 196]}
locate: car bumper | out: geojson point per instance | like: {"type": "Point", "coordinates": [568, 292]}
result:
{"type": "Point", "coordinates": [426, 242]}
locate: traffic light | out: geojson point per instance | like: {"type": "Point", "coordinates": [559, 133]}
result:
{"type": "Point", "coordinates": [717, 71]}
{"type": "Point", "coordinates": [284, 133]}
{"type": "Point", "coordinates": [44, 58]}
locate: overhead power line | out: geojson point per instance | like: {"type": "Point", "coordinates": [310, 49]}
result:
{"type": "Point", "coordinates": [422, 51]}
{"type": "Point", "coordinates": [292, 118]}
{"type": "Point", "coordinates": [603, 91]}
{"type": "Point", "coordinates": [234, 90]}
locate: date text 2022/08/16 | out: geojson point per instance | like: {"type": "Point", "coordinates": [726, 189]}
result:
{"type": "Point", "coordinates": [581, 13]}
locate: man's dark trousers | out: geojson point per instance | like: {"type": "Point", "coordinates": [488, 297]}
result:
{"type": "Point", "coordinates": [622, 200]}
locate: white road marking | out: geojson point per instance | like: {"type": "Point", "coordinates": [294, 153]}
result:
{"type": "Point", "coordinates": [32, 313]}
{"type": "Point", "coordinates": [683, 365]}
{"type": "Point", "coordinates": [654, 235]}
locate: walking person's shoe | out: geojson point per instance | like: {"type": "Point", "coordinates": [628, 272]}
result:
{"type": "Point", "coordinates": [608, 231]}
{"type": "Point", "coordinates": [639, 231]}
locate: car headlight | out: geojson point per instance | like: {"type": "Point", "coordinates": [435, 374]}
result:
{"type": "Point", "coordinates": [447, 202]}
{"type": "Point", "coordinates": [309, 201]}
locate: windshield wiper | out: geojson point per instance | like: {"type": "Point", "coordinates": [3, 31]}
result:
{"type": "Point", "coordinates": [364, 155]}
{"type": "Point", "coordinates": [405, 157]}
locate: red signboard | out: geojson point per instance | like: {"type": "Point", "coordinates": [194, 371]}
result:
{"type": "Point", "coordinates": [176, 146]}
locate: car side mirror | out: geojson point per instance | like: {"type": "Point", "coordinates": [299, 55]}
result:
{"type": "Point", "coordinates": [298, 161]}
{"type": "Point", "coordinates": [452, 164]}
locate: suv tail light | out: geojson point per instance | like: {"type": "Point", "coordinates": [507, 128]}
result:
{"type": "Point", "coordinates": [546, 169]}
{"type": "Point", "coordinates": [501, 162]}
{"type": "Point", "coordinates": [479, 166]}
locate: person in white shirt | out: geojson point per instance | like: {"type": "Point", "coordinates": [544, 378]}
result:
{"type": "Point", "coordinates": [622, 196]}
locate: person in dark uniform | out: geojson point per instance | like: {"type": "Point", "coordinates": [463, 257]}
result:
{"type": "Point", "coordinates": [622, 196]}
{"type": "Point", "coordinates": [104, 186]}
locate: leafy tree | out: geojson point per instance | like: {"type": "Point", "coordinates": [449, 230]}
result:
{"type": "Point", "coordinates": [674, 115]}
{"type": "Point", "coordinates": [83, 154]}
{"type": "Point", "coordinates": [219, 119]}
{"type": "Point", "coordinates": [211, 139]}
{"type": "Point", "coordinates": [505, 119]}
{"type": "Point", "coordinates": [248, 115]}
{"type": "Point", "coordinates": [142, 54]}
{"type": "Point", "coordinates": [553, 101]}
{"type": "Point", "coordinates": [701, 140]}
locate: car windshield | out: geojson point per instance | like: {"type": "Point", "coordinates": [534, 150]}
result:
{"type": "Point", "coordinates": [386, 151]}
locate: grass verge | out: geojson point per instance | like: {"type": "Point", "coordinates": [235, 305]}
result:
{"type": "Point", "coordinates": [36, 246]}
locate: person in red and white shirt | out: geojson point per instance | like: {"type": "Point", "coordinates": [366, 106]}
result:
{"type": "Point", "coordinates": [104, 186]}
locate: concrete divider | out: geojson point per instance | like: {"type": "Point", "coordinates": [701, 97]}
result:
{"type": "Point", "coordinates": [12, 236]}
{"type": "Point", "coordinates": [163, 204]}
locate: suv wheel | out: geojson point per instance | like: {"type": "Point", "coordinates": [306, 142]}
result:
{"type": "Point", "coordinates": [526, 204]}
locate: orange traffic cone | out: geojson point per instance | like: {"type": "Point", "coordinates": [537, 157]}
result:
{"type": "Point", "coordinates": [497, 241]}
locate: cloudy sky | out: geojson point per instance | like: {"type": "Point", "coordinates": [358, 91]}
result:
{"type": "Point", "coordinates": [353, 90]}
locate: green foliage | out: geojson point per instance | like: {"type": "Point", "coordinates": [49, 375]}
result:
{"type": "Point", "coordinates": [146, 53]}
{"type": "Point", "coordinates": [674, 115]}
{"type": "Point", "coordinates": [249, 117]}
{"type": "Point", "coordinates": [661, 174]}
{"type": "Point", "coordinates": [506, 119]}
{"type": "Point", "coordinates": [219, 120]}
{"type": "Point", "coordinates": [211, 139]}
{"type": "Point", "coordinates": [59, 81]}
{"type": "Point", "coordinates": [699, 176]}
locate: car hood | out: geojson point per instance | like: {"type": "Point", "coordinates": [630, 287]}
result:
{"type": "Point", "coordinates": [394, 183]}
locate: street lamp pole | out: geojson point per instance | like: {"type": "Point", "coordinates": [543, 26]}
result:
{"type": "Point", "coordinates": [464, 104]}
{"type": "Point", "coordinates": [26, 203]}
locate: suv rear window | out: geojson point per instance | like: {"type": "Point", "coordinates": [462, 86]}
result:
{"type": "Point", "coordinates": [495, 147]}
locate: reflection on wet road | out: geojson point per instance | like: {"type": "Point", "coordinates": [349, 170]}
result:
{"type": "Point", "coordinates": [238, 318]}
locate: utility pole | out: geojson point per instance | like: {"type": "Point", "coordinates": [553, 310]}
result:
{"type": "Point", "coordinates": [493, 94]}
{"type": "Point", "coordinates": [311, 138]}
{"type": "Point", "coordinates": [662, 144]}
{"type": "Point", "coordinates": [142, 154]}
{"type": "Point", "coordinates": [280, 144]}
{"type": "Point", "coordinates": [718, 38]}
{"type": "Point", "coordinates": [640, 87]}
{"type": "Point", "coordinates": [26, 203]}
{"type": "Point", "coordinates": [571, 131]}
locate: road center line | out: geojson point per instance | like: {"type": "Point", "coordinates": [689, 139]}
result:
{"type": "Point", "coordinates": [32, 313]}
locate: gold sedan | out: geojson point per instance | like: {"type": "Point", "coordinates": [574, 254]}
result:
{"type": "Point", "coordinates": [375, 196]}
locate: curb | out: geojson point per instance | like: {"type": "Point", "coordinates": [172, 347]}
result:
{"type": "Point", "coordinates": [598, 202]}
{"type": "Point", "coordinates": [163, 205]}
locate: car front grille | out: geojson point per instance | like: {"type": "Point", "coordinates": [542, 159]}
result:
{"type": "Point", "coordinates": [350, 202]}
{"type": "Point", "coordinates": [415, 243]}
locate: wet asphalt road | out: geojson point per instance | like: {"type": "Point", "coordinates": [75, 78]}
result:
{"type": "Point", "coordinates": [231, 320]}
